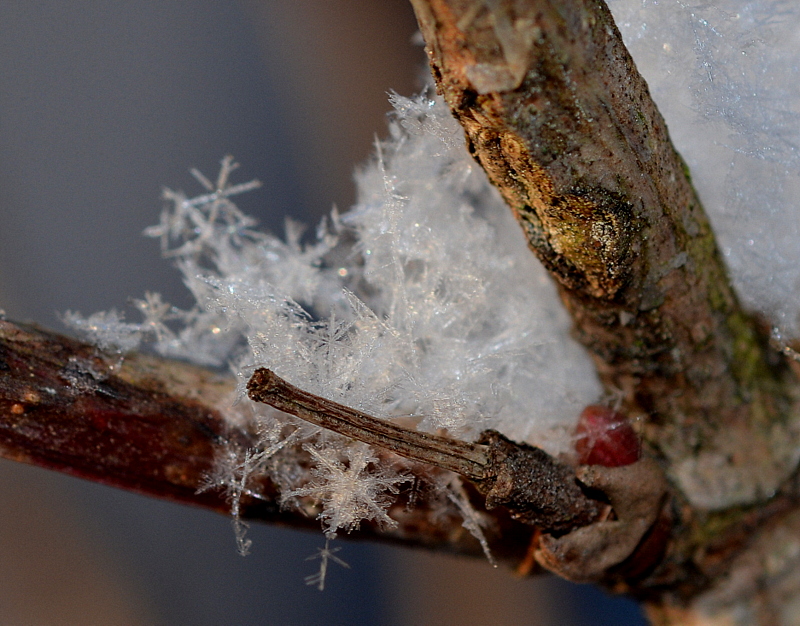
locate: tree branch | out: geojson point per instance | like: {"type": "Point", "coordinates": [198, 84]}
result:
{"type": "Point", "coordinates": [536, 488]}
{"type": "Point", "coordinates": [154, 426]}
{"type": "Point", "coordinates": [555, 112]}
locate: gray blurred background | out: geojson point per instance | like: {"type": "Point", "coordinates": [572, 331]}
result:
{"type": "Point", "coordinates": [102, 104]}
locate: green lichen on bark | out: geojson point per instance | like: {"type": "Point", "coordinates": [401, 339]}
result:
{"type": "Point", "coordinates": [555, 112]}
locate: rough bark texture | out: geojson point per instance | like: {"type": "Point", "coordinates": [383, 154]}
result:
{"type": "Point", "coordinates": [535, 487]}
{"type": "Point", "coordinates": [153, 426]}
{"type": "Point", "coordinates": [555, 112]}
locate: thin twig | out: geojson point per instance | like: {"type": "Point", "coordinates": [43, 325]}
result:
{"type": "Point", "coordinates": [468, 459]}
{"type": "Point", "coordinates": [536, 488]}
{"type": "Point", "coordinates": [154, 426]}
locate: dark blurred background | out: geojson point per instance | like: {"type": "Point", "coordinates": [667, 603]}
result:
{"type": "Point", "coordinates": [102, 104]}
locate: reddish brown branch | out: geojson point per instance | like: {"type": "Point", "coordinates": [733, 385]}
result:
{"type": "Point", "coordinates": [153, 426]}
{"type": "Point", "coordinates": [142, 424]}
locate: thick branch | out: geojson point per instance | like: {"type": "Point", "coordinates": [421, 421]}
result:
{"type": "Point", "coordinates": [555, 112]}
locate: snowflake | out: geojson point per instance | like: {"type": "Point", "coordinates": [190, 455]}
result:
{"type": "Point", "coordinates": [472, 518]}
{"type": "Point", "coordinates": [324, 554]}
{"type": "Point", "coordinates": [202, 219]}
{"type": "Point", "coordinates": [232, 471]}
{"type": "Point", "coordinates": [155, 312]}
{"type": "Point", "coordinates": [349, 493]}
{"type": "Point", "coordinates": [106, 329]}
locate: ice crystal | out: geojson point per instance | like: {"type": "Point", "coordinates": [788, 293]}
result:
{"type": "Point", "coordinates": [155, 312]}
{"type": "Point", "coordinates": [473, 521]}
{"type": "Point", "coordinates": [234, 471]}
{"type": "Point", "coordinates": [107, 329]}
{"type": "Point", "coordinates": [206, 214]}
{"type": "Point", "coordinates": [325, 555]}
{"type": "Point", "coordinates": [348, 492]}
{"type": "Point", "coordinates": [421, 303]}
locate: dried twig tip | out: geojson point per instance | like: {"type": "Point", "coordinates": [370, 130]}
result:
{"type": "Point", "coordinates": [468, 459]}
{"type": "Point", "coordinates": [537, 488]}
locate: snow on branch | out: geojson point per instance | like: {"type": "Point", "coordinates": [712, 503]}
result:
{"type": "Point", "coordinates": [437, 316]}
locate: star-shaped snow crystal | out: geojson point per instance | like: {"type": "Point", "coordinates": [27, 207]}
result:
{"type": "Point", "coordinates": [349, 492]}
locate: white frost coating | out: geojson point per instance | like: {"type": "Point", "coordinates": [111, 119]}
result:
{"type": "Point", "coordinates": [439, 311]}
{"type": "Point", "coordinates": [435, 312]}
{"type": "Point", "coordinates": [726, 76]}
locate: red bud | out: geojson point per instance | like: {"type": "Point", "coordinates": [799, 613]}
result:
{"type": "Point", "coordinates": [606, 437]}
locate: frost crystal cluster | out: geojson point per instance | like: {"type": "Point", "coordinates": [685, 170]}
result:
{"type": "Point", "coordinates": [422, 303]}
{"type": "Point", "coordinates": [726, 76]}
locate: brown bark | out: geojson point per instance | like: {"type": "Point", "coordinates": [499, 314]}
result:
{"type": "Point", "coordinates": [555, 112]}
{"type": "Point", "coordinates": [154, 426]}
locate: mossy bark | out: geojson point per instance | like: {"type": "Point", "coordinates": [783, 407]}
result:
{"type": "Point", "coordinates": [556, 113]}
